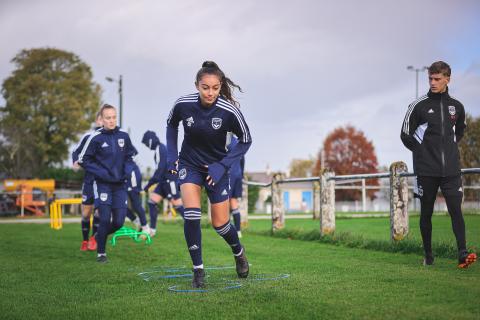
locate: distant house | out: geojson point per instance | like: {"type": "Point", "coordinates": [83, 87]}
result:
{"type": "Point", "coordinates": [297, 197]}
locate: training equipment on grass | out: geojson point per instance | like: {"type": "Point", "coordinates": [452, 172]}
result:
{"type": "Point", "coordinates": [209, 287]}
{"type": "Point", "coordinates": [56, 211]}
{"type": "Point", "coordinates": [217, 280]}
{"type": "Point", "coordinates": [131, 233]}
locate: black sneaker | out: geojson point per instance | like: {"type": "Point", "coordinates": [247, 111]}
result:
{"type": "Point", "coordinates": [198, 280]}
{"type": "Point", "coordinates": [102, 259]}
{"type": "Point", "coordinates": [242, 264]}
{"type": "Point", "coordinates": [428, 260]}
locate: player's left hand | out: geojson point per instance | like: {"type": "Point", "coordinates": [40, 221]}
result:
{"type": "Point", "coordinates": [215, 173]}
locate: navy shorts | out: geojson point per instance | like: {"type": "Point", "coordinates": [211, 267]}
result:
{"type": "Point", "coordinates": [168, 189]}
{"type": "Point", "coordinates": [111, 194]}
{"type": "Point", "coordinates": [87, 193]}
{"type": "Point", "coordinates": [237, 187]}
{"type": "Point", "coordinates": [217, 193]}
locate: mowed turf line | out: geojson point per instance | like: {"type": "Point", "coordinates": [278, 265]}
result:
{"type": "Point", "coordinates": [43, 275]}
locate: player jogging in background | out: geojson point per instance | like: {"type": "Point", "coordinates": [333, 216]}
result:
{"type": "Point", "coordinates": [433, 126]}
{"type": "Point", "coordinates": [208, 116]}
{"type": "Point", "coordinates": [107, 155]}
{"type": "Point", "coordinates": [87, 194]}
{"type": "Point", "coordinates": [236, 178]}
{"type": "Point", "coordinates": [167, 185]}
{"type": "Point", "coordinates": [134, 187]}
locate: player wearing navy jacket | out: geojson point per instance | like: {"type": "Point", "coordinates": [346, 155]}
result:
{"type": "Point", "coordinates": [167, 186]}
{"type": "Point", "coordinates": [107, 154]}
{"type": "Point", "coordinates": [134, 187]}
{"type": "Point", "coordinates": [236, 178]}
{"type": "Point", "coordinates": [208, 117]}
{"type": "Point", "coordinates": [87, 194]}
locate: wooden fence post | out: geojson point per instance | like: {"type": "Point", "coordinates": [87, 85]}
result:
{"type": "Point", "coordinates": [278, 210]}
{"type": "Point", "coordinates": [316, 199]}
{"type": "Point", "coordinates": [244, 204]}
{"type": "Point", "coordinates": [398, 201]}
{"type": "Point", "coordinates": [327, 206]}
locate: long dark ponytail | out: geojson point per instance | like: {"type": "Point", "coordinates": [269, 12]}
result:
{"type": "Point", "coordinates": [210, 67]}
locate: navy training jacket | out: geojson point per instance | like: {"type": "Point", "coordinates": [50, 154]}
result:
{"type": "Point", "coordinates": [107, 155]}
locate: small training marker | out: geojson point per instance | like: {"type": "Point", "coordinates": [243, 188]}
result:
{"type": "Point", "coordinates": [209, 287]}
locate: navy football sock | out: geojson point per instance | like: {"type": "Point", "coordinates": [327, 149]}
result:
{"type": "Point", "coordinates": [193, 234]}
{"type": "Point", "coordinates": [85, 228]}
{"type": "Point", "coordinates": [138, 208]}
{"type": "Point", "coordinates": [131, 215]}
{"type": "Point", "coordinates": [236, 218]}
{"type": "Point", "coordinates": [96, 221]}
{"type": "Point", "coordinates": [105, 213]}
{"type": "Point", "coordinates": [228, 232]}
{"type": "Point", "coordinates": [179, 209]}
{"type": "Point", "coordinates": [153, 214]}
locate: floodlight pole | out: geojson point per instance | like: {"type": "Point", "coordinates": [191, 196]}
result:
{"type": "Point", "coordinates": [417, 70]}
{"type": "Point", "coordinates": [120, 97]}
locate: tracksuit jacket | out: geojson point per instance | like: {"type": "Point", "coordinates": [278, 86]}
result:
{"type": "Point", "coordinates": [108, 155]}
{"type": "Point", "coordinates": [433, 126]}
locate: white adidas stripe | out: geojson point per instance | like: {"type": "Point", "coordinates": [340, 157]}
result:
{"type": "Point", "coordinates": [85, 136]}
{"type": "Point", "coordinates": [406, 121]}
{"type": "Point", "coordinates": [80, 157]}
{"type": "Point", "coordinates": [188, 96]}
{"type": "Point", "coordinates": [193, 211]}
{"type": "Point", "coordinates": [236, 112]}
{"type": "Point", "coordinates": [224, 230]}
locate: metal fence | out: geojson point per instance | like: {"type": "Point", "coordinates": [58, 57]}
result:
{"type": "Point", "coordinates": [324, 187]}
{"type": "Point", "coordinates": [381, 203]}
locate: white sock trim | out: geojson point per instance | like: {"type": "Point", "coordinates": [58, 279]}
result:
{"type": "Point", "coordinates": [239, 254]}
{"type": "Point", "coordinates": [198, 267]}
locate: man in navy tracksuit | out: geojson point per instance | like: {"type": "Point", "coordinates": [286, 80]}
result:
{"type": "Point", "coordinates": [167, 185]}
{"type": "Point", "coordinates": [87, 194]}
{"type": "Point", "coordinates": [236, 185]}
{"type": "Point", "coordinates": [107, 154]}
{"type": "Point", "coordinates": [134, 187]}
{"type": "Point", "coordinates": [433, 126]}
{"type": "Point", "coordinates": [208, 117]}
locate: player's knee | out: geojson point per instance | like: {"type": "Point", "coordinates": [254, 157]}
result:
{"type": "Point", "coordinates": [154, 198]}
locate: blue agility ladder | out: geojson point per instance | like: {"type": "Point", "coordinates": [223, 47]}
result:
{"type": "Point", "coordinates": [132, 233]}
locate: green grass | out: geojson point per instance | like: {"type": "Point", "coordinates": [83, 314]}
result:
{"type": "Point", "coordinates": [43, 275]}
{"type": "Point", "coordinates": [374, 233]}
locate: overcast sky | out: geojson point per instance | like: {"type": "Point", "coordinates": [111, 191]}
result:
{"type": "Point", "coordinates": [306, 67]}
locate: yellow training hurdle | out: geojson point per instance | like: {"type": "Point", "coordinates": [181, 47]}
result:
{"type": "Point", "coordinates": [56, 211]}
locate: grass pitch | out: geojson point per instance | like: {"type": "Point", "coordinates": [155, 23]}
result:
{"type": "Point", "coordinates": [45, 276]}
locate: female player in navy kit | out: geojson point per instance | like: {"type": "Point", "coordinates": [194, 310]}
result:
{"type": "Point", "coordinates": [208, 117]}
{"type": "Point", "coordinates": [108, 154]}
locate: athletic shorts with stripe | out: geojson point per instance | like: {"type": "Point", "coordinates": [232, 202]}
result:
{"type": "Point", "coordinates": [217, 193]}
